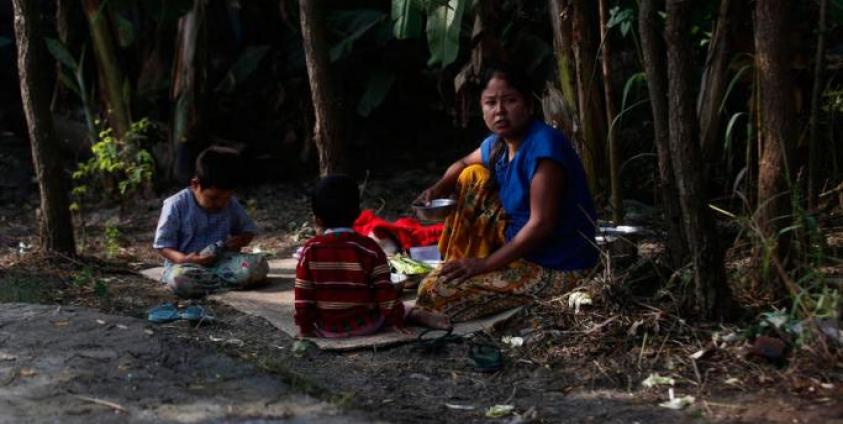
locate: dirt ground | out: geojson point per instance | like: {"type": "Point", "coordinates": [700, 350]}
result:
{"type": "Point", "coordinates": [74, 346]}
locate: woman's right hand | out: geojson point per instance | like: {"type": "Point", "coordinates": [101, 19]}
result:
{"type": "Point", "coordinates": [432, 192]}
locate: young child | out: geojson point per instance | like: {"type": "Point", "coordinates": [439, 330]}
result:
{"type": "Point", "coordinates": [342, 278]}
{"type": "Point", "coordinates": [202, 229]}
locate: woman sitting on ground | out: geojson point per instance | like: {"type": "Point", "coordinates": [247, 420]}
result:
{"type": "Point", "coordinates": [524, 223]}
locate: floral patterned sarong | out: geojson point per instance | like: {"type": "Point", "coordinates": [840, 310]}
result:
{"type": "Point", "coordinates": [232, 271]}
{"type": "Point", "coordinates": [475, 230]}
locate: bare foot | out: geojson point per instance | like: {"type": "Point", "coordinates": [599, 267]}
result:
{"type": "Point", "coordinates": [429, 319]}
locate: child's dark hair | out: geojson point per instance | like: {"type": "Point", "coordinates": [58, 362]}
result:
{"type": "Point", "coordinates": [336, 201]}
{"type": "Point", "coordinates": [517, 79]}
{"type": "Point", "coordinates": [219, 167]}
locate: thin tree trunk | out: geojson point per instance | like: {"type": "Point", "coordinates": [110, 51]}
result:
{"type": "Point", "coordinates": [819, 66]}
{"type": "Point", "coordinates": [560, 19]}
{"type": "Point", "coordinates": [655, 67]}
{"type": "Point", "coordinates": [188, 89]}
{"type": "Point", "coordinates": [112, 75]}
{"type": "Point", "coordinates": [590, 109]}
{"type": "Point", "coordinates": [34, 67]}
{"type": "Point", "coordinates": [713, 84]}
{"type": "Point", "coordinates": [773, 59]}
{"type": "Point", "coordinates": [612, 138]}
{"type": "Point", "coordinates": [711, 292]}
{"type": "Point", "coordinates": [326, 125]}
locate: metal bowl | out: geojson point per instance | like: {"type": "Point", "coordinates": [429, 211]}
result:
{"type": "Point", "coordinates": [398, 281]}
{"type": "Point", "coordinates": [436, 210]}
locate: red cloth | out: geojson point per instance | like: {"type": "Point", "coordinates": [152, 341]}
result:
{"type": "Point", "coordinates": [407, 232]}
{"type": "Point", "coordinates": [342, 284]}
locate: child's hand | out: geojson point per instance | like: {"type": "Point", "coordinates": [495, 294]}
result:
{"type": "Point", "coordinates": [196, 258]}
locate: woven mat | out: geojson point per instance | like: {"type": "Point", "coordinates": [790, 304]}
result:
{"type": "Point", "coordinates": [274, 303]}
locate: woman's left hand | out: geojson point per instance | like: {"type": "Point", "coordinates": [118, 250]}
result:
{"type": "Point", "coordinates": [463, 269]}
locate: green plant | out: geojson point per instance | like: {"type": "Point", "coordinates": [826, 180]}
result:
{"type": "Point", "coordinates": [88, 278]}
{"type": "Point", "coordinates": [101, 289]}
{"type": "Point", "coordinates": [72, 76]}
{"type": "Point", "coordinates": [112, 241]}
{"type": "Point", "coordinates": [622, 17]}
{"type": "Point", "coordinates": [21, 288]}
{"type": "Point", "coordinates": [810, 296]}
{"type": "Point", "coordinates": [119, 166]}
{"type": "Point", "coordinates": [84, 278]}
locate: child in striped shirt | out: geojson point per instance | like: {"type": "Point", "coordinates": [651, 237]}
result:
{"type": "Point", "coordinates": [342, 285]}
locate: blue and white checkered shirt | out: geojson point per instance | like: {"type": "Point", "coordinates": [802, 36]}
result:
{"type": "Point", "coordinates": [187, 227]}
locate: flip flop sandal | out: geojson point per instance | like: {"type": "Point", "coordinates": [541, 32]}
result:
{"type": "Point", "coordinates": [434, 340]}
{"type": "Point", "coordinates": [165, 312]}
{"type": "Point", "coordinates": [486, 357]}
{"type": "Point", "coordinates": [196, 313]}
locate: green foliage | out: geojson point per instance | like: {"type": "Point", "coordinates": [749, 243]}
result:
{"type": "Point", "coordinates": [118, 164]}
{"type": "Point", "coordinates": [353, 25]}
{"type": "Point", "coordinates": [443, 32]}
{"type": "Point", "coordinates": [125, 31]}
{"type": "Point", "coordinates": [835, 11]}
{"type": "Point", "coordinates": [242, 68]}
{"type": "Point", "coordinates": [84, 277]}
{"type": "Point", "coordinates": [88, 278]}
{"type": "Point", "coordinates": [406, 19]}
{"type": "Point", "coordinates": [101, 289]}
{"type": "Point", "coordinates": [73, 77]}
{"type": "Point", "coordinates": [622, 17]}
{"type": "Point", "coordinates": [21, 288]}
{"type": "Point", "coordinates": [378, 86]}
{"type": "Point", "coordinates": [811, 296]}
{"type": "Point", "coordinates": [833, 100]}
{"type": "Point", "coordinates": [112, 241]}
{"type": "Point", "coordinates": [60, 52]}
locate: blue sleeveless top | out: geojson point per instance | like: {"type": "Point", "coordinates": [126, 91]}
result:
{"type": "Point", "coordinates": [571, 246]}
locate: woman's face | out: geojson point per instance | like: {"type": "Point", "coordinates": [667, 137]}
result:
{"type": "Point", "coordinates": [505, 110]}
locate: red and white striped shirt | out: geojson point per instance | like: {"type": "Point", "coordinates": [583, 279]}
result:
{"type": "Point", "coordinates": [342, 284]}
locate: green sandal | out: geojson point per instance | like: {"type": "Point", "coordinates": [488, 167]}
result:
{"type": "Point", "coordinates": [486, 357]}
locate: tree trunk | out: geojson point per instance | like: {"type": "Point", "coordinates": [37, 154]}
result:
{"type": "Point", "coordinates": [485, 48]}
{"type": "Point", "coordinates": [773, 59]}
{"type": "Point", "coordinates": [560, 19]}
{"type": "Point", "coordinates": [713, 84]}
{"type": "Point", "coordinates": [112, 80]}
{"type": "Point", "coordinates": [612, 138]}
{"type": "Point", "coordinates": [188, 89]}
{"type": "Point", "coordinates": [326, 125]}
{"type": "Point", "coordinates": [711, 291]}
{"type": "Point", "coordinates": [819, 67]}
{"type": "Point", "coordinates": [590, 109]}
{"type": "Point", "coordinates": [34, 67]}
{"type": "Point", "coordinates": [655, 67]}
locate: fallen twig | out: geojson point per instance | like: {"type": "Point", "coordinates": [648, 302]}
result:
{"type": "Point", "coordinates": [102, 402]}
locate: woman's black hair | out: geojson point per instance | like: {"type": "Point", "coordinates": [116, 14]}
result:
{"type": "Point", "coordinates": [336, 201]}
{"type": "Point", "coordinates": [517, 79]}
